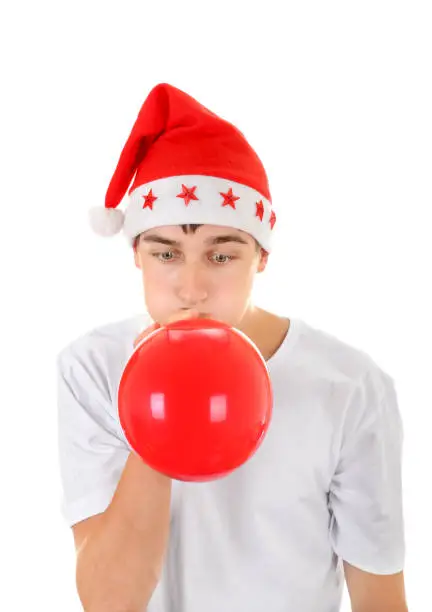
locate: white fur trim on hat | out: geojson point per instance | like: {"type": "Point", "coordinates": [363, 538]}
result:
{"type": "Point", "coordinates": [169, 209]}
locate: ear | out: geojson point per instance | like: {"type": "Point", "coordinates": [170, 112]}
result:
{"type": "Point", "coordinates": [137, 258]}
{"type": "Point", "coordinates": [263, 260]}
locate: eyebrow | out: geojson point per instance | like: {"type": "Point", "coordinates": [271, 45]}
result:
{"type": "Point", "coordinates": [212, 240]}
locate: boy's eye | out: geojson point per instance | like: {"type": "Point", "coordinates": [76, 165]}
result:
{"type": "Point", "coordinates": [165, 253]}
{"type": "Point", "coordinates": [167, 256]}
{"type": "Point", "coordinates": [221, 258]}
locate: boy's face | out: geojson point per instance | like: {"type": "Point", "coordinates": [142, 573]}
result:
{"type": "Point", "coordinates": [202, 270]}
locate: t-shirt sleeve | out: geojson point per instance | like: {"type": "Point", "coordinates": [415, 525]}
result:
{"type": "Point", "coordinates": [365, 497]}
{"type": "Point", "coordinates": [92, 450]}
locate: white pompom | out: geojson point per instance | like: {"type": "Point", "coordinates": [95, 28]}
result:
{"type": "Point", "coordinates": [106, 221]}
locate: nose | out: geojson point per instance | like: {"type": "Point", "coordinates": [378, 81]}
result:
{"type": "Point", "coordinates": [192, 290]}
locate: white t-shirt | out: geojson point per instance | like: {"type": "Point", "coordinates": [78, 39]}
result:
{"type": "Point", "coordinates": [324, 486]}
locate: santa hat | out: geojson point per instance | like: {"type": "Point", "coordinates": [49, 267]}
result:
{"type": "Point", "coordinates": [190, 166]}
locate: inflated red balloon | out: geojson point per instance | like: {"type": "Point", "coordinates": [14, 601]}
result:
{"type": "Point", "coordinates": [195, 399]}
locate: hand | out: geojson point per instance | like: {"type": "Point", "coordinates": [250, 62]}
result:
{"type": "Point", "coordinates": [177, 316]}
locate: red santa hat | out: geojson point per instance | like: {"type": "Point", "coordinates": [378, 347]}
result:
{"type": "Point", "coordinates": [190, 166]}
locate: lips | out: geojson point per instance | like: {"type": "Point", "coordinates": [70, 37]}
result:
{"type": "Point", "coordinates": [201, 315]}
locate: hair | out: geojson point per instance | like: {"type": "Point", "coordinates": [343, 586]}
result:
{"type": "Point", "coordinates": [191, 228]}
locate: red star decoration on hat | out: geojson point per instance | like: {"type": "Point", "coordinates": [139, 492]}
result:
{"type": "Point", "coordinates": [272, 219]}
{"type": "Point", "coordinates": [259, 209]}
{"type": "Point", "coordinates": [188, 194]}
{"type": "Point", "coordinates": [229, 198]}
{"type": "Point", "coordinates": [149, 199]}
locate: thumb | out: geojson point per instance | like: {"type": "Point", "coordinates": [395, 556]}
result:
{"type": "Point", "coordinates": [145, 333]}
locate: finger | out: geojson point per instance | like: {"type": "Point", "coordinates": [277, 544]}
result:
{"type": "Point", "coordinates": [145, 333]}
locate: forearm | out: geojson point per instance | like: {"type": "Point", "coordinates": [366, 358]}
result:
{"type": "Point", "coordinates": [119, 565]}
{"type": "Point", "coordinates": [379, 608]}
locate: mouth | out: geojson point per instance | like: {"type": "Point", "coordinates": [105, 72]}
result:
{"type": "Point", "coordinates": [200, 314]}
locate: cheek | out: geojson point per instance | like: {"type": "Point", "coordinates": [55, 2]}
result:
{"type": "Point", "coordinates": [241, 275]}
{"type": "Point", "coordinates": [158, 294]}
{"type": "Point", "coordinates": [233, 287]}
{"type": "Point", "coordinates": [155, 280]}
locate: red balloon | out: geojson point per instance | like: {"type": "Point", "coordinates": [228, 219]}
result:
{"type": "Point", "coordinates": [195, 399]}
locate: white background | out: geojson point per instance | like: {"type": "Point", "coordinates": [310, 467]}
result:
{"type": "Point", "coordinates": [336, 99]}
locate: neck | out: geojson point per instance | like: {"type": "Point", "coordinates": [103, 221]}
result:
{"type": "Point", "coordinates": [252, 321]}
{"type": "Point", "coordinates": [266, 330]}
